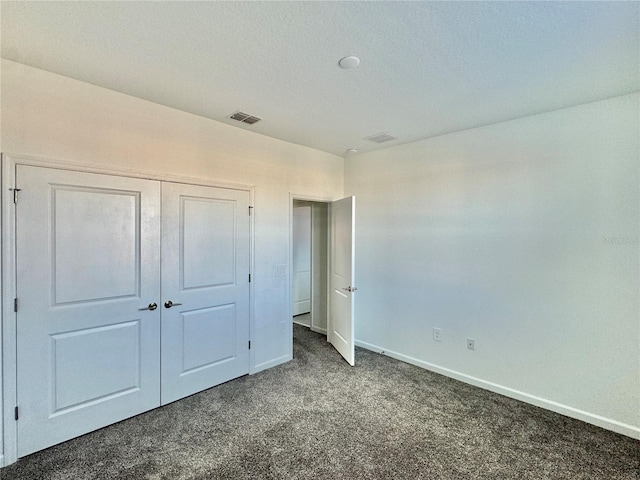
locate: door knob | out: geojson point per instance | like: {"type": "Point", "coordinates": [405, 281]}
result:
{"type": "Point", "coordinates": [169, 304]}
{"type": "Point", "coordinates": [152, 306]}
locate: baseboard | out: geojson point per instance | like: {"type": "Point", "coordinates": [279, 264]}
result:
{"type": "Point", "coordinates": [597, 420]}
{"type": "Point", "coordinates": [322, 331]}
{"type": "Point", "coordinates": [271, 363]}
{"type": "Point", "coordinates": [2, 463]}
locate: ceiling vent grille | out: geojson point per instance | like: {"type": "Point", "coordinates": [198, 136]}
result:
{"type": "Point", "coordinates": [244, 118]}
{"type": "Point", "coordinates": [380, 137]}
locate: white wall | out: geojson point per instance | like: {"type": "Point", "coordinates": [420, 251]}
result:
{"type": "Point", "coordinates": [55, 117]}
{"type": "Point", "coordinates": [522, 235]}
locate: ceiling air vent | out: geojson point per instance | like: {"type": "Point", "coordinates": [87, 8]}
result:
{"type": "Point", "coordinates": [245, 118]}
{"type": "Point", "coordinates": [380, 137]}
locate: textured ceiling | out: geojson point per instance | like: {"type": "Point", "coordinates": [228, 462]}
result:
{"type": "Point", "coordinates": [427, 68]}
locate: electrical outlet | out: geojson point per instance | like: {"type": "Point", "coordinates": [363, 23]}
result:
{"type": "Point", "coordinates": [471, 344]}
{"type": "Point", "coordinates": [437, 334]}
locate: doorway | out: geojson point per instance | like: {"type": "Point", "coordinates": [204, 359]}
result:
{"type": "Point", "coordinates": [331, 271]}
{"type": "Point", "coordinates": [310, 264]}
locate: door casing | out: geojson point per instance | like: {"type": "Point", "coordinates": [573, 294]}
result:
{"type": "Point", "coordinates": [8, 350]}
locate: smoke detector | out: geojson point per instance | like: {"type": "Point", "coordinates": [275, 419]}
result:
{"type": "Point", "coordinates": [349, 62]}
{"type": "Point", "coordinates": [244, 118]}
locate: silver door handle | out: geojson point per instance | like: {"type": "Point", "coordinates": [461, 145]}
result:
{"type": "Point", "coordinates": [169, 304]}
{"type": "Point", "coordinates": [151, 306]}
{"type": "Point", "coordinates": [350, 289]}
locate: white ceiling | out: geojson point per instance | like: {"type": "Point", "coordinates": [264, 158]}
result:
{"type": "Point", "coordinates": [427, 68]}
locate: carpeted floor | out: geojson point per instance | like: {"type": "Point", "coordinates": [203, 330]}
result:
{"type": "Point", "coordinates": [316, 417]}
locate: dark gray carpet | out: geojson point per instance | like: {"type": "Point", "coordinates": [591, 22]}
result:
{"type": "Point", "coordinates": [316, 417]}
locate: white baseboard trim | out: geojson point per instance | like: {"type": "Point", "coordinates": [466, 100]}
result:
{"type": "Point", "coordinates": [322, 331]}
{"type": "Point", "coordinates": [599, 421]}
{"type": "Point", "coordinates": [2, 463]}
{"type": "Point", "coordinates": [301, 324]}
{"type": "Point", "coordinates": [271, 363]}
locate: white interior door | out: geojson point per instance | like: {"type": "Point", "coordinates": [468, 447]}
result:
{"type": "Point", "coordinates": [301, 260]}
{"type": "Point", "coordinates": [88, 249]}
{"type": "Point", "coordinates": [341, 329]}
{"type": "Point", "coordinates": [205, 274]}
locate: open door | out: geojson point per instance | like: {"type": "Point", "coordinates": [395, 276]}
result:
{"type": "Point", "coordinates": [341, 331]}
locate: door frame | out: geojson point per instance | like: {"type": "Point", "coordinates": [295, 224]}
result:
{"type": "Point", "coordinates": [8, 331]}
{"type": "Point", "coordinates": [305, 198]}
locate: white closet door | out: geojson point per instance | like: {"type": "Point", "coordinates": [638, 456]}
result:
{"type": "Point", "coordinates": [301, 284]}
{"type": "Point", "coordinates": [88, 249]}
{"type": "Point", "coordinates": [205, 274]}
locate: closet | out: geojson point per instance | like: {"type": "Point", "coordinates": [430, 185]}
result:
{"type": "Point", "coordinates": [131, 293]}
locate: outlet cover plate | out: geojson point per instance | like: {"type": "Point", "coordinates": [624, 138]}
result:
{"type": "Point", "coordinates": [437, 334]}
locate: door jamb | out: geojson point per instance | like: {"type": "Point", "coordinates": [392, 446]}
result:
{"type": "Point", "coordinates": [8, 399]}
{"type": "Point", "coordinates": [8, 328]}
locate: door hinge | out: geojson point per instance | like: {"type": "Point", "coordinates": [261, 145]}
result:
{"type": "Point", "coordinates": [249, 278]}
{"type": "Point", "coordinates": [15, 194]}
{"type": "Point", "coordinates": [16, 416]}
{"type": "Point", "coordinates": [250, 210]}
{"type": "Point", "coordinates": [15, 304]}
{"type": "Point", "coordinates": [249, 344]}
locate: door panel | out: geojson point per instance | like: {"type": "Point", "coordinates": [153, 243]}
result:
{"type": "Point", "coordinates": [205, 268]}
{"type": "Point", "coordinates": [206, 333]}
{"type": "Point", "coordinates": [88, 249]}
{"type": "Point", "coordinates": [107, 242]}
{"type": "Point", "coordinates": [208, 242]}
{"type": "Point", "coordinates": [115, 346]}
{"type": "Point", "coordinates": [341, 328]}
